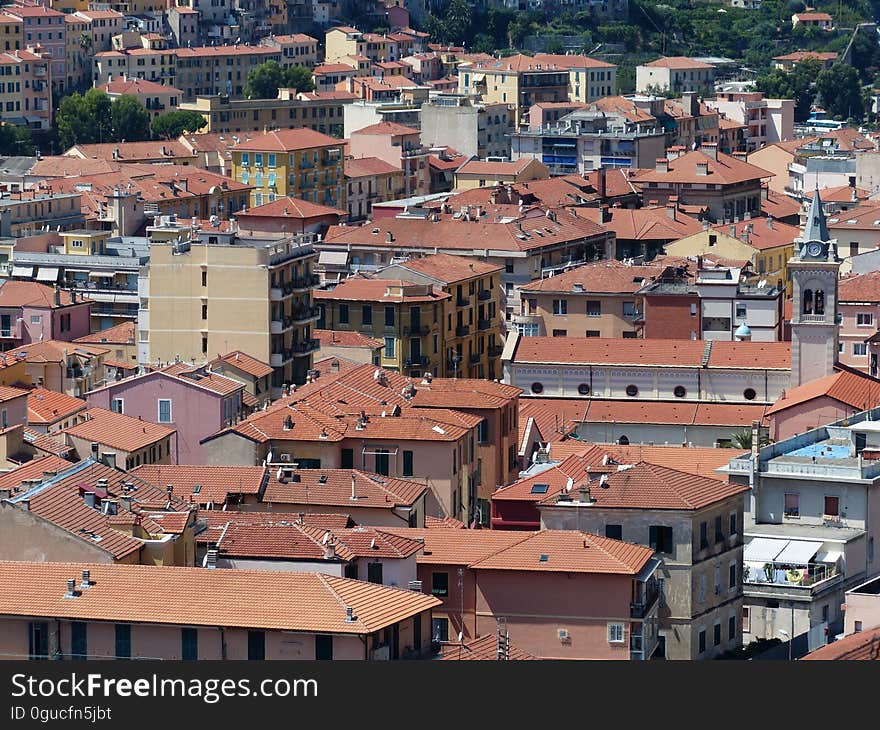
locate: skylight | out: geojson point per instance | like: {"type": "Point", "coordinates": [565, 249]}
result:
{"type": "Point", "coordinates": [540, 488]}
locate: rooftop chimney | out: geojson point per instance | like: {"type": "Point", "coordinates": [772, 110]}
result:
{"type": "Point", "coordinates": [702, 169]}
{"type": "Point", "coordinates": [770, 221]}
{"type": "Point", "coordinates": [661, 165]}
{"type": "Point", "coordinates": [211, 558]}
{"type": "Point", "coordinates": [349, 615]}
{"type": "Point", "coordinates": [670, 211]}
{"type": "Point", "coordinates": [86, 580]}
{"type": "Point", "coordinates": [353, 488]}
{"type": "Point", "coordinates": [71, 588]}
{"type": "Point", "coordinates": [710, 149]}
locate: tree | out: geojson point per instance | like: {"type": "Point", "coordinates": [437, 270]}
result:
{"type": "Point", "coordinates": [97, 107]}
{"type": "Point", "coordinates": [797, 84]}
{"type": "Point", "coordinates": [743, 440]}
{"type": "Point", "coordinates": [263, 81]}
{"type": "Point", "coordinates": [841, 91]}
{"type": "Point", "coordinates": [173, 124]}
{"type": "Point", "coordinates": [129, 119]}
{"type": "Point", "coordinates": [458, 21]}
{"type": "Point", "coordinates": [84, 119]}
{"type": "Point", "coordinates": [299, 78]}
{"type": "Point", "coordinates": [15, 141]}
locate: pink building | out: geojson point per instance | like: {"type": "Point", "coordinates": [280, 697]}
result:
{"type": "Point", "coordinates": [44, 27]}
{"type": "Point", "coordinates": [194, 401]}
{"type": "Point", "coordinates": [859, 307]}
{"type": "Point", "coordinates": [399, 146]}
{"type": "Point", "coordinates": [33, 312]}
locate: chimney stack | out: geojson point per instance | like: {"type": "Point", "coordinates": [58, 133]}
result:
{"type": "Point", "coordinates": [661, 164]}
{"type": "Point", "coordinates": [353, 488]}
{"type": "Point", "coordinates": [710, 149]}
{"type": "Point", "coordinates": [702, 169]}
{"type": "Point", "coordinates": [86, 580]}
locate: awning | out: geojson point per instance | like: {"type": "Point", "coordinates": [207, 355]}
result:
{"type": "Point", "coordinates": [27, 271]}
{"type": "Point", "coordinates": [798, 552]}
{"type": "Point", "coordinates": [334, 258]}
{"type": "Point", "coordinates": [829, 556]}
{"type": "Point", "coordinates": [648, 570]}
{"type": "Point", "coordinates": [101, 274]}
{"type": "Point", "coordinates": [70, 270]}
{"type": "Point", "coordinates": [763, 550]}
{"type": "Point", "coordinates": [47, 273]}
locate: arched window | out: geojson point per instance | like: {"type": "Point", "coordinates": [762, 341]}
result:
{"type": "Point", "coordinates": [623, 441]}
{"type": "Point", "coordinates": [808, 301]}
{"type": "Point", "coordinates": [819, 307]}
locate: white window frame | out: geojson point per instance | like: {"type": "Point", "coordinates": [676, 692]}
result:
{"type": "Point", "coordinates": [860, 346]}
{"type": "Point", "coordinates": [864, 319]}
{"type": "Point", "coordinates": [159, 410]}
{"type": "Point", "coordinates": [615, 629]}
{"type": "Point", "coordinates": [121, 402]}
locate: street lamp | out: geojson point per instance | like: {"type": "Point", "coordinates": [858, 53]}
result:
{"type": "Point", "coordinates": [787, 636]}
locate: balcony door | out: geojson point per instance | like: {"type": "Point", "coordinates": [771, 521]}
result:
{"type": "Point", "coordinates": [415, 319]}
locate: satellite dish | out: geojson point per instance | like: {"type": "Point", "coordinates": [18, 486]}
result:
{"type": "Point", "coordinates": [569, 484]}
{"type": "Point", "coordinates": [278, 475]}
{"type": "Point", "coordinates": [269, 457]}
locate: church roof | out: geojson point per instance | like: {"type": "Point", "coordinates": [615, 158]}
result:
{"type": "Point", "coordinates": [816, 228]}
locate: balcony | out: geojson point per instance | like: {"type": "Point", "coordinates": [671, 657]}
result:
{"type": "Point", "coordinates": [306, 347]}
{"type": "Point", "coordinates": [462, 301]}
{"type": "Point", "coordinates": [496, 350]}
{"type": "Point", "coordinates": [484, 294]}
{"type": "Point", "coordinates": [640, 609]}
{"type": "Point", "coordinates": [462, 330]}
{"type": "Point", "coordinates": [410, 361]}
{"type": "Point", "coordinates": [474, 358]}
{"type": "Point", "coordinates": [484, 324]}
{"type": "Point", "coordinates": [302, 315]}
{"type": "Point", "coordinates": [277, 326]}
{"type": "Point", "coordinates": [416, 331]}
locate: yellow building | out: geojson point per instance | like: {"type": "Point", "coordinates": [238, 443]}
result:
{"type": "Point", "coordinates": [341, 42]}
{"type": "Point", "coordinates": [84, 242]}
{"type": "Point", "coordinates": [78, 49]}
{"type": "Point", "coordinates": [10, 32]}
{"type": "Point", "coordinates": [480, 174]}
{"type": "Point", "coordinates": [226, 116]}
{"type": "Point", "coordinates": [408, 318]}
{"type": "Point", "coordinates": [204, 299]}
{"type": "Point", "coordinates": [300, 163]}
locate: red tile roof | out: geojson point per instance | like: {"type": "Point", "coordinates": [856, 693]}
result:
{"type": "Point", "coordinates": [464, 394]}
{"type": "Point", "coordinates": [866, 217]}
{"type": "Point", "coordinates": [46, 444]}
{"type": "Point", "coordinates": [284, 601]}
{"type": "Point", "coordinates": [779, 205]}
{"type": "Point", "coordinates": [55, 351]}
{"type": "Point", "coordinates": [244, 362]}
{"type": "Point", "coordinates": [200, 377]}
{"type": "Point", "coordinates": [368, 166]}
{"type": "Point", "coordinates": [139, 151]}
{"type": "Point", "coordinates": [798, 56]}
{"type": "Point", "coordinates": [761, 233]}
{"type": "Point", "coordinates": [860, 288]}
{"type": "Point", "coordinates": [726, 170]}
{"type": "Point", "coordinates": [361, 289]}
{"type": "Point", "coordinates": [601, 277]}
{"type": "Point", "coordinates": [861, 646]}
{"type": "Point", "coordinates": [118, 431]}
{"type": "Point", "coordinates": [30, 294]}
{"type": "Point", "coordinates": [853, 388]}
{"type": "Point", "coordinates": [443, 523]}
{"type": "Point", "coordinates": [32, 470]}
{"type": "Point", "coordinates": [483, 649]}
{"type": "Point", "coordinates": [481, 167]}
{"type": "Point", "coordinates": [448, 269]}
{"type": "Point", "coordinates": [372, 490]}
{"type": "Point", "coordinates": [216, 521]}
{"type": "Point", "coordinates": [570, 61]}
{"type": "Point", "coordinates": [287, 207]}
{"type": "Point", "coordinates": [392, 128]}
{"type": "Point", "coordinates": [143, 87]}
{"type": "Point", "coordinates": [47, 406]}
{"type": "Point", "coordinates": [678, 62]}
{"type": "Point", "coordinates": [460, 547]}
{"type": "Point", "coordinates": [332, 338]}
{"type": "Point", "coordinates": [121, 334]}
{"type": "Point", "coordinates": [813, 16]}
{"type": "Point", "coordinates": [203, 484]}
{"type": "Point", "coordinates": [288, 140]}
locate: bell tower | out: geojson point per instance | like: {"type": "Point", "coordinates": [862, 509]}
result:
{"type": "Point", "coordinates": [814, 273]}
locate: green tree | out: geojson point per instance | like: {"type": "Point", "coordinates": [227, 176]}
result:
{"type": "Point", "coordinates": [84, 119]}
{"type": "Point", "coordinates": [98, 105]}
{"type": "Point", "coordinates": [15, 141]}
{"type": "Point", "coordinates": [841, 91]}
{"type": "Point", "coordinates": [299, 78]}
{"type": "Point", "coordinates": [129, 119]}
{"type": "Point", "coordinates": [173, 124]}
{"type": "Point", "coordinates": [797, 84]}
{"type": "Point", "coordinates": [458, 21]}
{"type": "Point", "coordinates": [264, 81]}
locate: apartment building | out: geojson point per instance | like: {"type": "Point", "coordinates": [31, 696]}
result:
{"type": "Point", "coordinates": [370, 180]}
{"type": "Point", "coordinates": [253, 374]}
{"type": "Point", "coordinates": [676, 74]}
{"type": "Point", "coordinates": [693, 523]}
{"type": "Point", "coordinates": [43, 27]}
{"type": "Point", "coordinates": [10, 32]}
{"type": "Point", "coordinates": [473, 129]}
{"type": "Point", "coordinates": [201, 299]}
{"type": "Point", "coordinates": [62, 366]}
{"type": "Point", "coordinates": [471, 328]}
{"type": "Point", "coordinates": [399, 146]}
{"type": "Point", "coordinates": [238, 117]}
{"type": "Point", "coordinates": [344, 41]}
{"type": "Point", "coordinates": [299, 163]}
{"type": "Point", "coordinates": [102, 26]}
{"type": "Point", "coordinates": [409, 319]}
{"type": "Point", "coordinates": [248, 614]}
{"type": "Point", "coordinates": [157, 98]}
{"type": "Point", "coordinates": [600, 299]}
{"type": "Point", "coordinates": [26, 95]}
{"type": "Point", "coordinates": [788, 61]}
{"type": "Point", "coordinates": [208, 70]}
{"type": "Point", "coordinates": [31, 312]}
{"type": "Point", "coordinates": [608, 586]}
{"type": "Point", "coordinates": [766, 120]}
{"type": "Point", "coordinates": [298, 49]}
{"type": "Point", "coordinates": [487, 173]}
{"type": "Point", "coordinates": [727, 187]}
{"type": "Point", "coordinates": [859, 305]}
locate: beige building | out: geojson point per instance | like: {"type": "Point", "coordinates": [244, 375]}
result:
{"type": "Point", "coordinates": [298, 49]}
{"type": "Point", "coordinates": [157, 98]}
{"type": "Point", "coordinates": [676, 74]}
{"type": "Point", "coordinates": [370, 180]}
{"type": "Point", "coordinates": [481, 174]}
{"type": "Point", "coordinates": [199, 300]}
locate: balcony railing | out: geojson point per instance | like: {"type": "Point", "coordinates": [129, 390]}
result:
{"type": "Point", "coordinates": [640, 609]}
{"type": "Point", "coordinates": [462, 330]}
{"type": "Point", "coordinates": [298, 349]}
{"type": "Point", "coordinates": [416, 331]}
{"type": "Point", "coordinates": [794, 576]}
{"type": "Point", "coordinates": [410, 361]}
{"type": "Point", "coordinates": [462, 301]}
{"type": "Point", "coordinates": [484, 324]}
{"type": "Point", "coordinates": [484, 294]}
{"type": "Point", "coordinates": [304, 314]}
{"type": "Point", "coordinates": [474, 358]}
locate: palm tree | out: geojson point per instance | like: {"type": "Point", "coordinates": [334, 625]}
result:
{"type": "Point", "coordinates": [743, 440]}
{"type": "Point", "coordinates": [85, 41]}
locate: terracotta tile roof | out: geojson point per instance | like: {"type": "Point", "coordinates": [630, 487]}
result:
{"type": "Point", "coordinates": [327, 96]}
{"type": "Point", "coordinates": [31, 470]}
{"type": "Point", "coordinates": [779, 205]}
{"type": "Point", "coordinates": [287, 207]}
{"type": "Point", "coordinates": [447, 269]}
{"type": "Point", "coordinates": [537, 231]}
{"type": "Point", "coordinates": [368, 166]}
{"type": "Point", "coordinates": [203, 484]}
{"type": "Point", "coordinates": [333, 68]}
{"type": "Point", "coordinates": [860, 288]}
{"type": "Point", "coordinates": [201, 377]}
{"type": "Point", "coordinates": [172, 523]}
{"type": "Point", "coordinates": [861, 646]}
{"type": "Point", "coordinates": [301, 602]}
{"type": "Point", "coordinates": [866, 217]}
{"type": "Point", "coordinates": [812, 16]}
{"type": "Point", "coordinates": [56, 351]}
{"type": "Point", "coordinates": [617, 182]}
{"type": "Point", "coordinates": [298, 542]}
{"type": "Point", "coordinates": [151, 151]}
{"type": "Point", "coordinates": [798, 56]}
{"type": "Point", "coordinates": [121, 334]}
{"type": "Point", "coordinates": [118, 431]}
{"type": "Point", "coordinates": [726, 170]}
{"type": "Point", "coordinates": [216, 520]}
{"type": "Point", "coordinates": [601, 277]}
{"type": "Point", "coordinates": [361, 289]}
{"type": "Point", "coordinates": [220, 51]}
{"type": "Point", "coordinates": [483, 649]}
{"type": "Point", "coordinates": [844, 194]}
{"type": "Point", "coordinates": [332, 338]}
{"type": "Point", "coordinates": [761, 355]}
{"type": "Point", "coordinates": [459, 547]}
{"type": "Point", "coordinates": [759, 234]}
{"type": "Point", "coordinates": [625, 107]}
{"type": "Point", "coordinates": [47, 406]}
{"type": "Point", "coordinates": [678, 62]}
{"type": "Point", "coordinates": [481, 167]}
{"type": "Point", "coordinates": [464, 394]}
{"type": "Point", "coordinates": [372, 490]}
{"type": "Point", "coordinates": [288, 140]}
{"type": "Point", "coordinates": [8, 393]}
{"type": "Point", "coordinates": [30, 294]}
{"type": "Point", "coordinates": [554, 192]}
{"type": "Point", "coordinates": [46, 444]}
{"type": "Point", "coordinates": [61, 166]}
{"type": "Point", "coordinates": [652, 487]}
{"type": "Point", "coordinates": [387, 83]}
{"type": "Point", "coordinates": [570, 61]}
{"type": "Point", "coordinates": [851, 387]}
{"type": "Point", "coordinates": [246, 363]}
{"type": "Point", "coordinates": [443, 523]}
{"type": "Point", "coordinates": [568, 551]}
{"type": "Point", "coordinates": [144, 87]}
{"type": "Point", "coordinates": [392, 128]}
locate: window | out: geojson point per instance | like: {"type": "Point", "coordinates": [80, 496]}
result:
{"type": "Point", "coordinates": [204, 278]}
{"type": "Point", "coordinates": [716, 638]}
{"type": "Point", "coordinates": [367, 314]}
{"type": "Point", "coordinates": [537, 388]}
{"type": "Point", "coordinates": [594, 309]}
{"type": "Point", "coordinates": [719, 532]}
{"type": "Point", "coordinates": [78, 640]}
{"type": "Point", "coordinates": [693, 310]}
{"type": "Point", "coordinates": [704, 535]}
{"type": "Point", "coordinates": [440, 584]}
{"type": "Point", "coordinates": [560, 333]}
{"type": "Point", "coordinates": [740, 311]}
{"type": "Point", "coordinates": [256, 645]}
{"type": "Point", "coordinates": [749, 394]}
{"type": "Point", "coordinates": [832, 506]}
{"type": "Point", "coordinates": [343, 314]}
{"type": "Point", "coordinates": [389, 316]}
{"type": "Point", "coordinates": [732, 523]}
{"type": "Point", "coordinates": [440, 629]}
{"type": "Point", "coordinates": [597, 333]}
{"type": "Point", "coordinates": [382, 462]}
{"type": "Point", "coordinates": [860, 348]}
{"type": "Point", "coordinates": [746, 621]}
{"type": "Point", "coordinates": [347, 459]}
{"type": "Point", "coordinates": [123, 641]}
{"type": "Point", "coordinates": [731, 576]}
{"type": "Point", "coordinates": [560, 306]}
{"type": "Point", "coordinates": [584, 389]}
{"type": "Point", "coordinates": [483, 432]}
{"type": "Point", "coordinates": [660, 539]}
{"type": "Point", "coordinates": [323, 647]}
{"type": "Point", "coordinates": [792, 505]}
{"type": "Point", "coordinates": [615, 633]}
{"type": "Point", "coordinates": [679, 391]}
{"type": "Point", "coordinates": [164, 410]}
{"type": "Point", "coordinates": [702, 594]}
{"type": "Point", "coordinates": [374, 573]}
{"type": "Point", "coordinates": [204, 311]}
{"type": "Point", "coordinates": [615, 532]}
{"type": "Point", "coordinates": [857, 627]}
{"type": "Point", "coordinates": [389, 347]}
{"type": "Point", "coordinates": [189, 644]}
{"type": "Point", "coordinates": [731, 628]}
{"type": "Point", "coordinates": [407, 463]}
{"type": "Point", "coordinates": [38, 640]}
{"type": "Point", "coordinates": [864, 320]}
{"type": "Point", "coordinates": [632, 391]}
